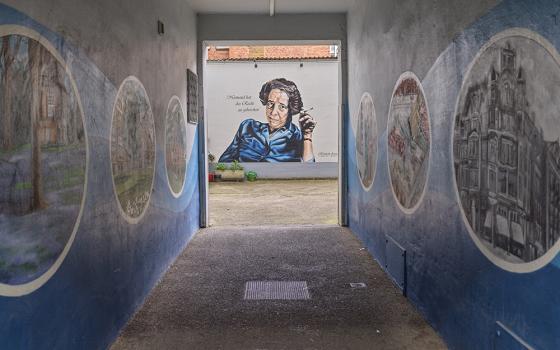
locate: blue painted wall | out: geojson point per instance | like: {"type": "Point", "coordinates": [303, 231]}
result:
{"type": "Point", "coordinates": [112, 265]}
{"type": "Point", "coordinates": [459, 291]}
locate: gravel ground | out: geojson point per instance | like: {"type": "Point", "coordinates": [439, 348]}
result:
{"type": "Point", "coordinates": [273, 202]}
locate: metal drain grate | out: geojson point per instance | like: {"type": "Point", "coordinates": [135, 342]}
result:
{"type": "Point", "coordinates": [276, 290]}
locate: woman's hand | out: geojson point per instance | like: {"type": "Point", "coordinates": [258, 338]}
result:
{"type": "Point", "coordinates": [307, 124]}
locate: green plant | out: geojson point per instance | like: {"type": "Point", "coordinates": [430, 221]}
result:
{"type": "Point", "coordinates": [236, 166]}
{"type": "Point", "coordinates": [221, 166]}
{"type": "Point", "coordinates": [251, 176]}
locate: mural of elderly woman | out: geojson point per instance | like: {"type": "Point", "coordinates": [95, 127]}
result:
{"type": "Point", "coordinates": [279, 140]}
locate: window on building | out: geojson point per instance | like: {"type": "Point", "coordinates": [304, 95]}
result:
{"type": "Point", "coordinates": [509, 94]}
{"type": "Point", "coordinates": [465, 177]}
{"type": "Point", "coordinates": [507, 152]}
{"type": "Point", "coordinates": [463, 151]}
{"type": "Point", "coordinates": [502, 181]}
{"type": "Point", "coordinates": [501, 123]}
{"type": "Point", "coordinates": [514, 217]}
{"type": "Point", "coordinates": [512, 155]}
{"type": "Point", "coordinates": [502, 211]}
{"type": "Point", "coordinates": [493, 149]}
{"type": "Point", "coordinates": [473, 146]}
{"type": "Point", "coordinates": [50, 103]}
{"type": "Point", "coordinates": [492, 179]}
{"type": "Point", "coordinates": [503, 152]}
{"type": "Point", "coordinates": [476, 124]}
{"type": "Point", "coordinates": [512, 184]}
{"type": "Point", "coordinates": [492, 119]}
{"type": "Point", "coordinates": [473, 178]}
{"type": "Point", "coordinates": [521, 158]}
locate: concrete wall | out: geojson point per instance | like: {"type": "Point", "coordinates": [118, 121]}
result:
{"type": "Point", "coordinates": [474, 295]}
{"type": "Point", "coordinates": [112, 264]}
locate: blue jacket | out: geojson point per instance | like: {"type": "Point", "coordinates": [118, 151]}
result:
{"type": "Point", "coordinates": [253, 143]}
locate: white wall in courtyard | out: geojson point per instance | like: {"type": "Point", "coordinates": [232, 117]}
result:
{"type": "Point", "coordinates": [232, 95]}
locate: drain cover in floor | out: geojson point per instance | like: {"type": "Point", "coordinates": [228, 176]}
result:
{"type": "Point", "coordinates": [276, 290]}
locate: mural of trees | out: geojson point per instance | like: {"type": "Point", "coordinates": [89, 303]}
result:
{"type": "Point", "coordinates": [133, 149]}
{"type": "Point", "coordinates": [175, 146]}
{"type": "Point", "coordinates": [42, 159]}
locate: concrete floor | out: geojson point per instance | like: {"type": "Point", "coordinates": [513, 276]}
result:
{"type": "Point", "coordinates": [199, 302]}
{"type": "Point", "coordinates": [273, 202]}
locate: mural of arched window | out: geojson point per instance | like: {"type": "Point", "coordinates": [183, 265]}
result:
{"type": "Point", "coordinates": [508, 153]}
{"type": "Point", "coordinates": [508, 94]}
{"type": "Point", "coordinates": [512, 184]}
{"type": "Point", "coordinates": [502, 181]}
{"type": "Point", "coordinates": [492, 149]}
{"type": "Point", "coordinates": [492, 118]}
{"type": "Point", "coordinates": [492, 179]}
{"type": "Point", "coordinates": [473, 145]}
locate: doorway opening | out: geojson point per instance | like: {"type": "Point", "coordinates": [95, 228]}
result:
{"type": "Point", "coordinates": [272, 117]}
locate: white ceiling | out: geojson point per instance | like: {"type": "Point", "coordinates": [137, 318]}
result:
{"type": "Point", "coordinates": [263, 6]}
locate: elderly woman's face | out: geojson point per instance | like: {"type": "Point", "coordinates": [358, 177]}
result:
{"type": "Point", "coordinates": [277, 109]}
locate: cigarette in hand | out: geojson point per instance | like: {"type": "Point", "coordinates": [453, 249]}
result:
{"type": "Point", "coordinates": [302, 112]}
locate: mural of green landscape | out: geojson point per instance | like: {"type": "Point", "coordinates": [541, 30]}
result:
{"type": "Point", "coordinates": [42, 159]}
{"type": "Point", "coordinates": [175, 146]}
{"type": "Point", "coordinates": [132, 149]}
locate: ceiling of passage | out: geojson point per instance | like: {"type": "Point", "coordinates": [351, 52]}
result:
{"type": "Point", "coordinates": [263, 6]}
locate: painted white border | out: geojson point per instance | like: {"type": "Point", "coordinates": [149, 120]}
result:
{"type": "Point", "coordinates": [376, 131]}
{"type": "Point", "coordinates": [26, 288]}
{"type": "Point", "coordinates": [173, 98]}
{"type": "Point", "coordinates": [548, 256]}
{"type": "Point", "coordinates": [409, 211]}
{"type": "Point", "coordinates": [129, 219]}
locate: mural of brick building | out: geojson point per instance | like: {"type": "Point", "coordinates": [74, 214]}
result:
{"type": "Point", "coordinates": [504, 166]}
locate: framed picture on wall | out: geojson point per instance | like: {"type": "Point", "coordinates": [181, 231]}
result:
{"type": "Point", "coordinates": [192, 97]}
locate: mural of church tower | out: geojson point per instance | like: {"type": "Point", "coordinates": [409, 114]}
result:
{"type": "Point", "coordinates": [501, 163]}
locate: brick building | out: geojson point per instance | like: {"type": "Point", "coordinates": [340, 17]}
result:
{"type": "Point", "coordinates": [250, 53]}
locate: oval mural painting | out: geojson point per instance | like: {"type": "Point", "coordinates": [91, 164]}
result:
{"type": "Point", "coordinates": [175, 146]}
{"type": "Point", "coordinates": [132, 149]}
{"type": "Point", "coordinates": [506, 150]}
{"type": "Point", "coordinates": [366, 141]}
{"type": "Point", "coordinates": [408, 130]}
{"type": "Point", "coordinates": [43, 157]}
